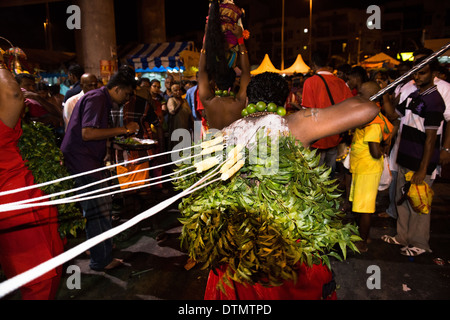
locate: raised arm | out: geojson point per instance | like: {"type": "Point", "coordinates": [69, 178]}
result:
{"type": "Point", "coordinates": [205, 92]}
{"type": "Point", "coordinates": [50, 107]}
{"type": "Point", "coordinates": [11, 97]}
{"type": "Point", "coordinates": [244, 63]}
{"type": "Point", "coordinates": [312, 124]}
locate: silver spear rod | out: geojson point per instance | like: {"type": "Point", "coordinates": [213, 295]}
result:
{"type": "Point", "coordinates": [410, 72]}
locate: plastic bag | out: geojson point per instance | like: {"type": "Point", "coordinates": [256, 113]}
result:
{"type": "Point", "coordinates": [386, 176]}
{"type": "Point", "coordinates": [419, 196]}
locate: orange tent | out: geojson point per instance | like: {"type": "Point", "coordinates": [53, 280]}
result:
{"type": "Point", "coordinates": [380, 60]}
{"type": "Point", "coordinates": [299, 66]}
{"type": "Point", "coordinates": [265, 66]}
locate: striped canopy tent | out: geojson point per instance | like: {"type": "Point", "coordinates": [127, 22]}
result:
{"type": "Point", "coordinates": [158, 57]}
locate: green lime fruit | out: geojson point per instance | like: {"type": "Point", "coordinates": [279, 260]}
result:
{"type": "Point", "coordinates": [272, 107]}
{"type": "Point", "coordinates": [244, 113]}
{"type": "Point", "coordinates": [251, 108]}
{"type": "Point", "coordinates": [232, 94]}
{"type": "Point", "coordinates": [261, 106]}
{"type": "Point", "coordinates": [224, 93]}
{"type": "Point", "coordinates": [281, 111]}
{"type": "Point", "coordinates": [218, 92]}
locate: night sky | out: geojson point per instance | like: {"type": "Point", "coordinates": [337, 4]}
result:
{"type": "Point", "coordinates": [23, 25]}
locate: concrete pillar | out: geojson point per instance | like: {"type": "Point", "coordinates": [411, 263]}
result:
{"type": "Point", "coordinates": [152, 23]}
{"type": "Point", "coordinates": [97, 38]}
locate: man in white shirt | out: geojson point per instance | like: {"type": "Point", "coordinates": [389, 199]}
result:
{"type": "Point", "coordinates": [88, 82]}
{"type": "Point", "coordinates": [401, 93]}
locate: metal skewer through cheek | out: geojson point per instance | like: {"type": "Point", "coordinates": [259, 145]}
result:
{"type": "Point", "coordinates": [419, 66]}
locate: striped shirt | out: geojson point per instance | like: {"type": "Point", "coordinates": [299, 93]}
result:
{"type": "Point", "coordinates": [419, 112]}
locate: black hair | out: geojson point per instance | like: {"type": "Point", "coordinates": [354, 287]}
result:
{"type": "Point", "coordinates": [125, 77]}
{"type": "Point", "coordinates": [393, 73]}
{"type": "Point", "coordinates": [41, 86]}
{"type": "Point", "coordinates": [407, 64]}
{"type": "Point", "coordinates": [434, 64]}
{"type": "Point", "coordinates": [21, 76]}
{"type": "Point", "coordinates": [216, 50]}
{"type": "Point", "coordinates": [345, 68]}
{"type": "Point", "coordinates": [268, 87]}
{"type": "Point", "coordinates": [76, 70]}
{"type": "Point", "coordinates": [359, 72]}
{"type": "Point", "coordinates": [422, 51]}
{"type": "Point", "coordinates": [319, 58]}
{"type": "Point", "coordinates": [443, 70]}
{"type": "Point", "coordinates": [54, 89]}
{"type": "Point", "coordinates": [141, 80]}
{"type": "Point", "coordinates": [226, 81]}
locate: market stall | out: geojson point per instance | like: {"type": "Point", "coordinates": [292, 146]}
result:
{"type": "Point", "coordinates": [380, 60]}
{"type": "Point", "coordinates": [158, 57]}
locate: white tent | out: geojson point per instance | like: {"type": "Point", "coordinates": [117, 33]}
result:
{"type": "Point", "coordinates": [265, 66]}
{"type": "Point", "coordinates": [299, 66]}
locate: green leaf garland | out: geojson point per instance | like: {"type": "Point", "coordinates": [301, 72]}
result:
{"type": "Point", "coordinates": [45, 160]}
{"type": "Point", "coordinates": [263, 224]}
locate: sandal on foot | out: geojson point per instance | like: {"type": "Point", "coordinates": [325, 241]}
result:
{"type": "Point", "coordinates": [412, 251]}
{"type": "Point", "coordinates": [390, 240]}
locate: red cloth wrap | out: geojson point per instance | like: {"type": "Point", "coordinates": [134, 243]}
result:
{"type": "Point", "coordinates": [309, 286]}
{"type": "Point", "coordinates": [28, 237]}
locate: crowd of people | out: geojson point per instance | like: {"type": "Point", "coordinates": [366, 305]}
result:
{"type": "Point", "coordinates": [325, 108]}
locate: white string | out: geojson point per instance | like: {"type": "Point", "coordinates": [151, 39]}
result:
{"type": "Point", "coordinates": [18, 281]}
{"type": "Point", "coordinates": [92, 171]}
{"type": "Point", "coordinates": [82, 197]}
{"type": "Point", "coordinates": [7, 205]}
{"type": "Point", "coordinates": [23, 204]}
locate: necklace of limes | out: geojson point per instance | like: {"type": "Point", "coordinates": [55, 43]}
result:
{"type": "Point", "coordinates": [224, 93]}
{"type": "Point", "coordinates": [261, 106]}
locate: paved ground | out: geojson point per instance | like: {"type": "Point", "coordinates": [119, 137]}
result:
{"type": "Point", "coordinates": [156, 271]}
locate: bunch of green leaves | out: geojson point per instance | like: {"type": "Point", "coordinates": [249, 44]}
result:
{"type": "Point", "coordinates": [38, 148]}
{"type": "Point", "coordinates": [279, 211]}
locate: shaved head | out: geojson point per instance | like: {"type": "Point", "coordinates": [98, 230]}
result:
{"type": "Point", "coordinates": [368, 89]}
{"type": "Point", "coordinates": [88, 82]}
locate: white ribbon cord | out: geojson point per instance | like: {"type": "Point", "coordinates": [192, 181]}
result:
{"type": "Point", "coordinates": [92, 171]}
{"type": "Point", "coordinates": [18, 281]}
{"type": "Point", "coordinates": [6, 206]}
{"type": "Point", "coordinates": [82, 197]}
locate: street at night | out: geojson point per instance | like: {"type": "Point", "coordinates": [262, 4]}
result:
{"type": "Point", "coordinates": [225, 158]}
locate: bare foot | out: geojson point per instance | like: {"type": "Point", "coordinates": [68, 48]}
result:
{"type": "Point", "coordinates": [190, 264]}
{"type": "Point", "coordinates": [362, 246]}
{"type": "Point", "coordinates": [114, 264]}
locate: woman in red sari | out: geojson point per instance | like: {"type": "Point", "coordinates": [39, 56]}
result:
{"type": "Point", "coordinates": [28, 237]}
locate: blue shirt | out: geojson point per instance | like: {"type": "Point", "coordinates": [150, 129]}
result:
{"type": "Point", "coordinates": [91, 111]}
{"type": "Point", "coordinates": [190, 97]}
